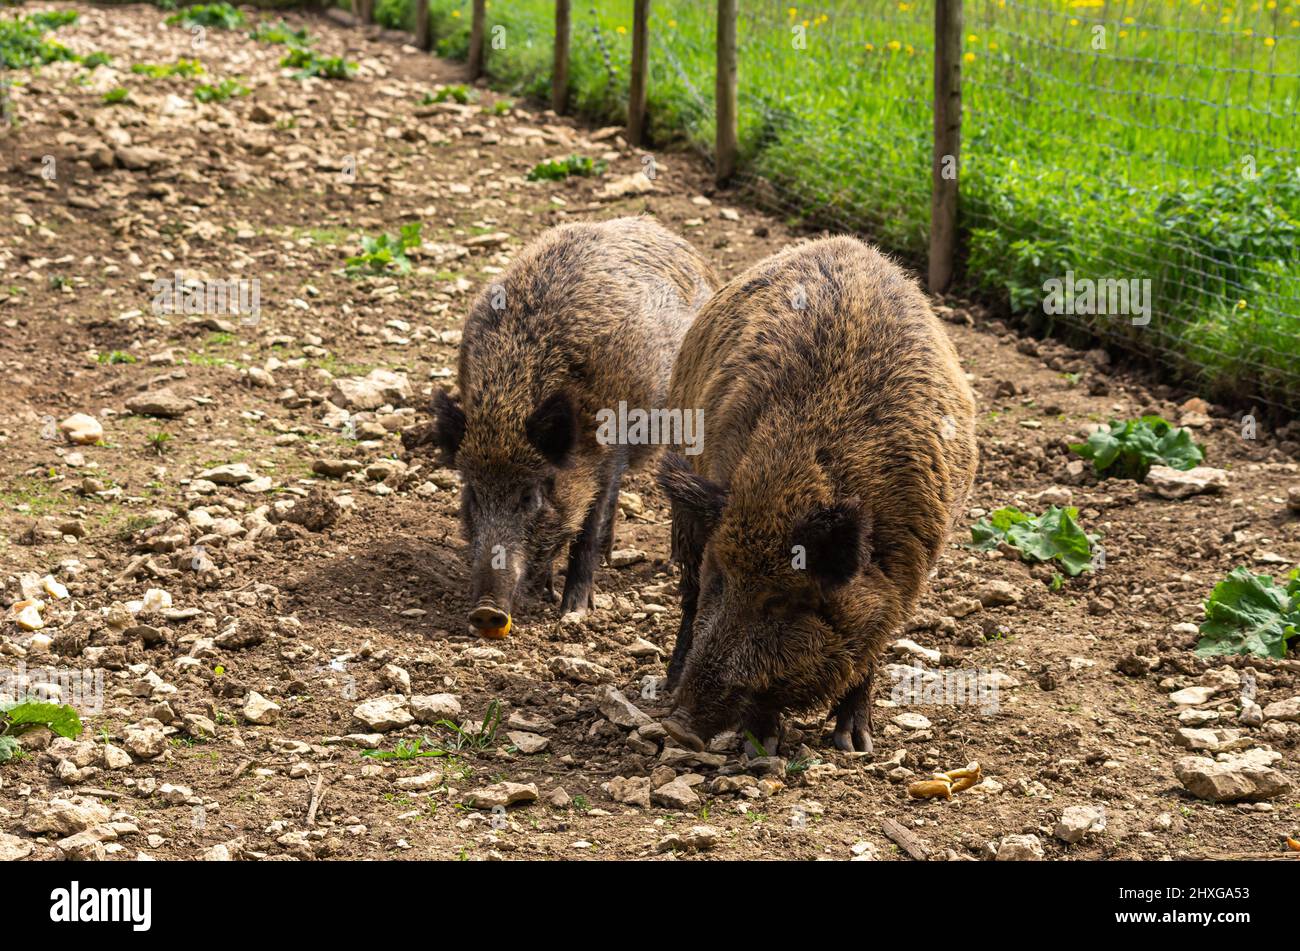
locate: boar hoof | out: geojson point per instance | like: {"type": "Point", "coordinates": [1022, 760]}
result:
{"type": "Point", "coordinates": [855, 740]}
{"type": "Point", "coordinates": [682, 735]}
{"type": "Point", "coordinates": [770, 746]}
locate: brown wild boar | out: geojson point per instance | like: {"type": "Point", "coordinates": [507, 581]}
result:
{"type": "Point", "coordinates": [587, 316]}
{"type": "Point", "coordinates": [839, 448]}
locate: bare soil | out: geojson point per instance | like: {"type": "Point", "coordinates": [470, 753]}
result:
{"type": "Point", "coordinates": [314, 620]}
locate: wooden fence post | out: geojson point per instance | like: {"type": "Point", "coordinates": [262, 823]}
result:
{"type": "Point", "coordinates": [947, 143]}
{"type": "Point", "coordinates": [476, 30]}
{"type": "Point", "coordinates": [725, 93]}
{"type": "Point", "coordinates": [636, 90]}
{"type": "Point", "coordinates": [560, 65]}
{"type": "Point", "coordinates": [423, 33]}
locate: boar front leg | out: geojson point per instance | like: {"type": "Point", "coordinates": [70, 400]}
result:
{"type": "Point", "coordinates": [542, 581]}
{"type": "Point", "coordinates": [610, 515]}
{"type": "Point", "coordinates": [584, 552]}
{"type": "Point", "coordinates": [688, 550]}
{"type": "Point", "coordinates": [853, 719]}
{"type": "Point", "coordinates": [762, 724]}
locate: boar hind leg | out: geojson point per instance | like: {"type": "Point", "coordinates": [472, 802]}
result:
{"type": "Point", "coordinates": [853, 720]}
{"type": "Point", "coordinates": [585, 551]}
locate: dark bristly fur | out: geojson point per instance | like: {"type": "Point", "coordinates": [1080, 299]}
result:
{"type": "Point", "coordinates": [587, 315]}
{"type": "Point", "coordinates": [839, 447]}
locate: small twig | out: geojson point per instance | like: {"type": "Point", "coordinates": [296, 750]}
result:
{"type": "Point", "coordinates": [315, 800]}
{"type": "Point", "coordinates": [907, 841]}
{"type": "Point", "coordinates": [98, 793]}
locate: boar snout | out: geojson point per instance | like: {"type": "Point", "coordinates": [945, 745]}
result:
{"type": "Point", "coordinates": [486, 615]}
{"type": "Point", "coordinates": [492, 593]}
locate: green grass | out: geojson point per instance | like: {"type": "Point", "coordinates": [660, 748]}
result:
{"type": "Point", "coordinates": [267, 32]}
{"type": "Point", "coordinates": [310, 63]}
{"type": "Point", "coordinates": [226, 89]}
{"type": "Point", "coordinates": [24, 41]}
{"type": "Point", "coordinates": [559, 169]}
{"type": "Point", "coordinates": [40, 498]}
{"type": "Point", "coordinates": [222, 16]}
{"type": "Point", "coordinates": [182, 67]}
{"type": "Point", "coordinates": [1168, 156]}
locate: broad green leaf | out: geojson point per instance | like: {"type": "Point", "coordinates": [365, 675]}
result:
{"type": "Point", "coordinates": [1249, 614]}
{"type": "Point", "coordinates": [1053, 536]}
{"type": "Point", "coordinates": [60, 718]}
{"type": "Point", "coordinates": [1128, 450]}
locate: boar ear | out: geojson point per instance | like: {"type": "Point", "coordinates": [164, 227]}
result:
{"type": "Point", "coordinates": [690, 492]}
{"type": "Point", "coordinates": [552, 428]}
{"type": "Point", "coordinates": [448, 423]}
{"type": "Point", "coordinates": [836, 541]}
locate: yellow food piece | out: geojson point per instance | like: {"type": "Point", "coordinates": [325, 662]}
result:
{"type": "Point", "coordinates": [930, 789]}
{"type": "Point", "coordinates": [964, 778]}
{"type": "Point", "coordinates": [497, 633]}
{"type": "Point", "coordinates": [1293, 845]}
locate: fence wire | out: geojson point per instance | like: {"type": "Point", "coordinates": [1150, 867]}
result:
{"type": "Point", "coordinates": [1148, 147]}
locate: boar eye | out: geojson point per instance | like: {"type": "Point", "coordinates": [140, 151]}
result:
{"type": "Point", "coordinates": [530, 500]}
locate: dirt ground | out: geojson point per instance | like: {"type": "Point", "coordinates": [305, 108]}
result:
{"type": "Point", "coordinates": [356, 597]}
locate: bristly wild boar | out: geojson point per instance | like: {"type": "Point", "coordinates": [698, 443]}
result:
{"type": "Point", "coordinates": [839, 449]}
{"type": "Point", "coordinates": [586, 316]}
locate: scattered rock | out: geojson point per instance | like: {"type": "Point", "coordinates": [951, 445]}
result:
{"type": "Point", "coordinates": [1288, 710]}
{"type": "Point", "coordinates": [528, 743]}
{"type": "Point", "coordinates": [622, 557]}
{"type": "Point", "coordinates": [634, 791]}
{"type": "Point", "coordinates": [675, 795]}
{"type": "Point", "coordinates": [1020, 848]}
{"type": "Point", "coordinates": [1076, 822]}
{"type": "Point", "coordinates": [996, 593]}
{"type": "Point", "coordinates": [162, 403]}
{"type": "Point", "coordinates": [502, 794]}
{"type": "Point", "coordinates": [64, 817]}
{"type": "Point", "coordinates": [377, 388]}
{"type": "Point", "coordinates": [234, 473]}
{"type": "Point", "coordinates": [1178, 484]}
{"type": "Point", "coordinates": [1243, 777]}
{"type": "Point", "coordinates": [621, 711]}
{"type": "Point", "coordinates": [431, 708]}
{"type": "Point", "coordinates": [81, 429]}
{"type": "Point", "coordinates": [580, 671]}
{"type": "Point", "coordinates": [13, 848]}
{"type": "Point", "coordinates": [146, 739]}
{"type": "Point", "coordinates": [382, 714]}
{"type": "Point", "coordinates": [259, 710]}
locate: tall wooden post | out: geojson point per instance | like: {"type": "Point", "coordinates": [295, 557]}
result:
{"type": "Point", "coordinates": [725, 93]}
{"type": "Point", "coordinates": [364, 11]}
{"type": "Point", "coordinates": [636, 91]}
{"type": "Point", "coordinates": [423, 33]}
{"type": "Point", "coordinates": [560, 65]}
{"type": "Point", "coordinates": [477, 27]}
{"type": "Point", "coordinates": [947, 143]}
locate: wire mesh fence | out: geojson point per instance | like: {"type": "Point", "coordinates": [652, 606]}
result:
{"type": "Point", "coordinates": [1128, 168]}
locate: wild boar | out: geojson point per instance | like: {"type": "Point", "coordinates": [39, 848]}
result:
{"type": "Point", "coordinates": [587, 317]}
{"type": "Point", "coordinates": [839, 449]}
